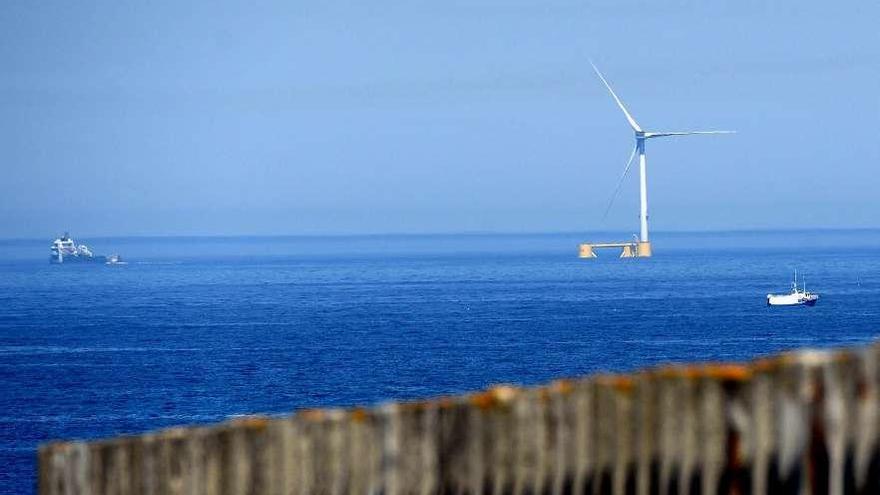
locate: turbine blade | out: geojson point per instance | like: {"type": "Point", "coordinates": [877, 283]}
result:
{"type": "Point", "coordinates": [620, 181]}
{"type": "Point", "coordinates": [629, 118]}
{"type": "Point", "coordinates": [684, 133]}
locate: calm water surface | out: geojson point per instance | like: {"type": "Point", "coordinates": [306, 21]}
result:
{"type": "Point", "coordinates": [195, 330]}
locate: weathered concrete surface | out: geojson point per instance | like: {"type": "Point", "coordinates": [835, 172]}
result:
{"type": "Point", "coordinates": [804, 422]}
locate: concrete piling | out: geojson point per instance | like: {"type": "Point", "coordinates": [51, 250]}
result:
{"type": "Point", "coordinates": [804, 422]}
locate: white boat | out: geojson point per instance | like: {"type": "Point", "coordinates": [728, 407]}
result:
{"type": "Point", "coordinates": [114, 259]}
{"type": "Point", "coordinates": [796, 297]}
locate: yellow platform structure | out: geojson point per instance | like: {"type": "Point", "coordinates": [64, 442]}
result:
{"type": "Point", "coordinates": [633, 249]}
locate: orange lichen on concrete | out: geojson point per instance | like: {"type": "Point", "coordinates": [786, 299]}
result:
{"type": "Point", "coordinates": [358, 415]}
{"type": "Point", "coordinates": [727, 372]}
{"type": "Point", "coordinates": [620, 383]}
{"type": "Point", "coordinates": [562, 386]}
{"type": "Point", "coordinates": [251, 422]}
{"type": "Point", "coordinates": [312, 414]}
{"type": "Point", "coordinates": [497, 396]}
{"type": "Point", "coordinates": [485, 400]}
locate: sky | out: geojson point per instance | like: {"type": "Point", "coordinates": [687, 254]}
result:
{"type": "Point", "coordinates": [306, 117]}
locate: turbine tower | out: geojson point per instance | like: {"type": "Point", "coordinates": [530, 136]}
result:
{"type": "Point", "coordinates": [644, 245]}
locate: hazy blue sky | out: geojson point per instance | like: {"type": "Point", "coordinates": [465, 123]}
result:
{"type": "Point", "coordinates": [403, 116]}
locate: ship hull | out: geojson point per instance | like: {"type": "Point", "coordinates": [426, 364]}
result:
{"type": "Point", "coordinates": [76, 259]}
{"type": "Point", "coordinates": [791, 300]}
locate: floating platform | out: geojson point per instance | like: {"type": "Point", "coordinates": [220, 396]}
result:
{"type": "Point", "coordinates": [632, 249]}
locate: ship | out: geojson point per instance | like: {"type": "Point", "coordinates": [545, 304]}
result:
{"type": "Point", "coordinates": [797, 296]}
{"type": "Point", "coordinates": [65, 250]}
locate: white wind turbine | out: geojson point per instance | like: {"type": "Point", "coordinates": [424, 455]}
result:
{"type": "Point", "coordinates": [641, 136]}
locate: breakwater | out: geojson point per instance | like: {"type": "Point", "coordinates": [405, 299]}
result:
{"type": "Point", "coordinates": [800, 422]}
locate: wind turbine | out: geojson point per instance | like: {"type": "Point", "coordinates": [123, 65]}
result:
{"type": "Point", "coordinates": [644, 246]}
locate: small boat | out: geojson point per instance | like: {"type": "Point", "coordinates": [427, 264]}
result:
{"type": "Point", "coordinates": [115, 259]}
{"type": "Point", "coordinates": [797, 297]}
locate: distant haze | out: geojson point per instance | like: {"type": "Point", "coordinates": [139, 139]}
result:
{"type": "Point", "coordinates": [155, 118]}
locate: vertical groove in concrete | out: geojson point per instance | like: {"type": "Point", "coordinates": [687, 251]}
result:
{"type": "Point", "coordinates": [867, 412]}
{"type": "Point", "coordinates": [802, 422]}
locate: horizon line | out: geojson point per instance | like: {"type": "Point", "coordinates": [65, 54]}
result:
{"type": "Point", "coordinates": [475, 233]}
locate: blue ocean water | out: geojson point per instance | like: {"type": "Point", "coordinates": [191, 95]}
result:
{"type": "Point", "coordinates": [194, 330]}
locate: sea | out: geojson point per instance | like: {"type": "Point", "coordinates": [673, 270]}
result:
{"type": "Point", "coordinates": [198, 329]}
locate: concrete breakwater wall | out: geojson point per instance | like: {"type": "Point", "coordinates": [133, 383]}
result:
{"type": "Point", "coordinates": [803, 422]}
